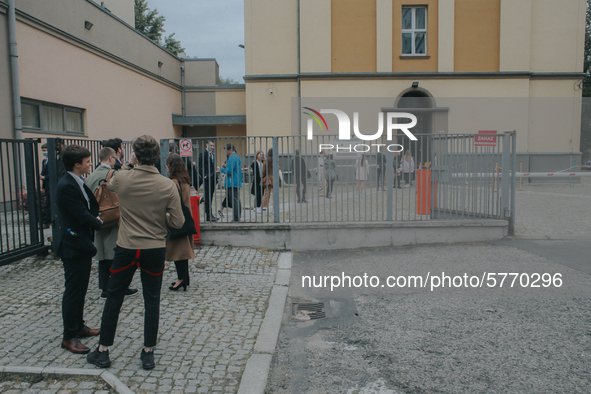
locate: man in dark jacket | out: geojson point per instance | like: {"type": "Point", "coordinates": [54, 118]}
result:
{"type": "Point", "coordinates": [117, 145]}
{"type": "Point", "coordinates": [299, 170]}
{"type": "Point", "coordinates": [78, 219]}
{"type": "Point", "coordinates": [381, 167]}
{"type": "Point", "coordinates": [207, 173]}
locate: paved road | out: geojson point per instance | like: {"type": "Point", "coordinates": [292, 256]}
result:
{"type": "Point", "coordinates": [458, 340]}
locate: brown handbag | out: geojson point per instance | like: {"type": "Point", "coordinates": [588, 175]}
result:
{"type": "Point", "coordinates": [108, 202]}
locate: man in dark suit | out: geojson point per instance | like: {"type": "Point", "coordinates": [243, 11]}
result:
{"type": "Point", "coordinates": [381, 167]}
{"type": "Point", "coordinates": [300, 173]}
{"type": "Point", "coordinates": [207, 172]}
{"type": "Point", "coordinates": [78, 219]}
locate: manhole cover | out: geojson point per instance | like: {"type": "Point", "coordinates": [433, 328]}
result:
{"type": "Point", "coordinates": [303, 311]}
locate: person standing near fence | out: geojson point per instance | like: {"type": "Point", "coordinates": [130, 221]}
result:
{"type": "Point", "coordinates": [45, 178]}
{"type": "Point", "coordinates": [149, 204]}
{"type": "Point", "coordinates": [180, 250]}
{"type": "Point", "coordinates": [330, 174]}
{"type": "Point", "coordinates": [268, 181]}
{"type": "Point", "coordinates": [361, 173]}
{"type": "Point", "coordinates": [207, 172]}
{"type": "Point", "coordinates": [408, 165]}
{"type": "Point", "coordinates": [381, 169]}
{"type": "Point", "coordinates": [105, 239]}
{"type": "Point", "coordinates": [78, 219]}
{"type": "Point", "coordinates": [257, 171]}
{"type": "Point", "coordinates": [320, 171]}
{"type": "Point", "coordinates": [233, 170]}
{"type": "Point", "coordinates": [117, 145]}
{"type": "Point", "coordinates": [299, 170]}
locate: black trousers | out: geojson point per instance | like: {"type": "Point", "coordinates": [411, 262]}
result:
{"type": "Point", "coordinates": [258, 195]}
{"type": "Point", "coordinates": [125, 263]}
{"type": "Point", "coordinates": [47, 218]}
{"type": "Point", "coordinates": [104, 273]}
{"type": "Point", "coordinates": [232, 200]}
{"type": "Point", "coordinates": [329, 187]}
{"type": "Point", "coordinates": [77, 275]}
{"type": "Point", "coordinates": [299, 180]}
{"type": "Point", "coordinates": [182, 269]}
{"type": "Point", "coordinates": [208, 190]}
{"type": "Point", "coordinates": [381, 178]}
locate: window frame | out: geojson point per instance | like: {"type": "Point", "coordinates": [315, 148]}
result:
{"type": "Point", "coordinates": [64, 109]}
{"type": "Point", "coordinates": [413, 30]}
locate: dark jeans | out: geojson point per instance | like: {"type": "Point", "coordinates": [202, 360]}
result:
{"type": "Point", "coordinates": [302, 181]}
{"type": "Point", "coordinates": [232, 200]}
{"type": "Point", "coordinates": [182, 269]}
{"type": "Point", "coordinates": [258, 195]}
{"type": "Point", "coordinates": [407, 177]}
{"type": "Point", "coordinates": [151, 263]}
{"type": "Point", "coordinates": [381, 177]}
{"type": "Point", "coordinates": [208, 190]}
{"type": "Point", "coordinates": [77, 275]}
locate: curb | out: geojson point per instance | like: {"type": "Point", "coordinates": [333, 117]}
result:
{"type": "Point", "coordinates": [254, 377]}
{"type": "Point", "coordinates": [108, 377]}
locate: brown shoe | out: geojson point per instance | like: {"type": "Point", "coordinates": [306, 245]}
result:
{"type": "Point", "coordinates": [88, 332]}
{"type": "Point", "coordinates": [75, 346]}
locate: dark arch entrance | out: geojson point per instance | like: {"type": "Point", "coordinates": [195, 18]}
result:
{"type": "Point", "coordinates": [420, 103]}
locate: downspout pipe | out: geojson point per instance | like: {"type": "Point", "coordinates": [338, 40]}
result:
{"type": "Point", "coordinates": [16, 92]}
{"type": "Point", "coordinates": [299, 72]}
{"type": "Point", "coordinates": [183, 111]}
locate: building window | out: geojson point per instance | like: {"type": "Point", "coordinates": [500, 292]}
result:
{"type": "Point", "coordinates": [43, 117]}
{"type": "Point", "coordinates": [414, 31]}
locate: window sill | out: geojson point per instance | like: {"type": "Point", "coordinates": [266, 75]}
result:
{"type": "Point", "coordinates": [64, 133]}
{"type": "Point", "coordinates": [415, 57]}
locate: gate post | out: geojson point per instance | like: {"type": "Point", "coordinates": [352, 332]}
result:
{"type": "Point", "coordinates": [505, 176]}
{"type": "Point", "coordinates": [52, 169]}
{"type": "Point", "coordinates": [511, 230]}
{"type": "Point", "coordinates": [276, 180]}
{"type": "Point", "coordinates": [32, 200]}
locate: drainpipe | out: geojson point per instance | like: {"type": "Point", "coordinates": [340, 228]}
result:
{"type": "Point", "coordinates": [299, 71]}
{"type": "Point", "coordinates": [16, 93]}
{"type": "Point", "coordinates": [183, 88]}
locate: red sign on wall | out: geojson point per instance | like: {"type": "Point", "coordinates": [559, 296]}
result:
{"type": "Point", "coordinates": [482, 139]}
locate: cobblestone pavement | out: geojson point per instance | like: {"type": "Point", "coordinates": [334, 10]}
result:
{"type": "Point", "coordinates": [14, 384]}
{"type": "Point", "coordinates": [206, 333]}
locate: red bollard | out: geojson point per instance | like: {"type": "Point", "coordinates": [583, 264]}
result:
{"type": "Point", "coordinates": [195, 212]}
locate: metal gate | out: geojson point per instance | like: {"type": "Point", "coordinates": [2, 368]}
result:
{"type": "Point", "coordinates": [22, 209]}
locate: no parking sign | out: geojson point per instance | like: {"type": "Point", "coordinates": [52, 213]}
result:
{"type": "Point", "coordinates": [186, 148]}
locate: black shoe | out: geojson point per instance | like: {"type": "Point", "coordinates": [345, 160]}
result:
{"type": "Point", "coordinates": [100, 359]}
{"type": "Point", "coordinates": [183, 284]}
{"type": "Point", "coordinates": [104, 294]}
{"type": "Point", "coordinates": [45, 226]}
{"type": "Point", "coordinates": [212, 219]}
{"type": "Point", "coordinates": [147, 360]}
{"type": "Point", "coordinates": [130, 292]}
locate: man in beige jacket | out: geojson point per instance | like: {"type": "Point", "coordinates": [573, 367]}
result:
{"type": "Point", "coordinates": [149, 203]}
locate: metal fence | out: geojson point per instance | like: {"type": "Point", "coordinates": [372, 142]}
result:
{"type": "Point", "coordinates": [444, 176]}
{"type": "Point", "coordinates": [21, 229]}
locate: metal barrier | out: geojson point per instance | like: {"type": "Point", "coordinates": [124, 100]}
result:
{"type": "Point", "coordinates": [21, 228]}
{"type": "Point", "coordinates": [432, 183]}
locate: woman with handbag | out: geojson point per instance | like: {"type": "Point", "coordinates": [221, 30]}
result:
{"type": "Point", "coordinates": [267, 181]}
{"type": "Point", "coordinates": [179, 247]}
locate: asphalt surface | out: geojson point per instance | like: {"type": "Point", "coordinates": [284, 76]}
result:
{"type": "Point", "coordinates": [386, 340]}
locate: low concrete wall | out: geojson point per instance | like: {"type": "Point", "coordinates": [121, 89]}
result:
{"type": "Point", "coordinates": [351, 235]}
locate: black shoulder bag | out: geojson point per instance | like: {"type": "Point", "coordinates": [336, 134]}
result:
{"type": "Point", "coordinates": [188, 228]}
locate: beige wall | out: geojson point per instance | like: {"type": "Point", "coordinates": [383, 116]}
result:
{"type": "Point", "coordinates": [445, 52]}
{"type": "Point", "coordinates": [269, 114]}
{"type": "Point", "coordinates": [201, 72]}
{"type": "Point", "coordinates": [353, 32]}
{"type": "Point", "coordinates": [123, 9]}
{"type": "Point", "coordinates": [477, 35]}
{"type": "Point", "coordinates": [315, 28]}
{"type": "Point", "coordinates": [558, 35]}
{"type": "Point", "coordinates": [384, 35]}
{"type": "Point", "coordinates": [516, 35]}
{"type": "Point", "coordinates": [200, 103]}
{"type": "Point", "coordinates": [118, 101]}
{"type": "Point", "coordinates": [230, 103]}
{"type": "Point", "coordinates": [6, 110]}
{"type": "Point", "coordinates": [411, 65]}
{"type": "Point", "coordinates": [270, 32]}
{"type": "Point", "coordinates": [108, 34]}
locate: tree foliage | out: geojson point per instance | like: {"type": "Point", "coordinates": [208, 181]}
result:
{"type": "Point", "coordinates": [227, 81]}
{"type": "Point", "coordinates": [151, 24]}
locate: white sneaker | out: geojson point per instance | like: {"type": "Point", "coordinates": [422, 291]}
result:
{"type": "Point", "coordinates": [407, 185]}
{"type": "Point", "coordinates": [258, 210]}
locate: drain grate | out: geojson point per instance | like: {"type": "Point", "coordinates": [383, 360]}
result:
{"type": "Point", "coordinates": [303, 311]}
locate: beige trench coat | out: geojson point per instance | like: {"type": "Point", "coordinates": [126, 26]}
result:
{"type": "Point", "coordinates": [181, 248]}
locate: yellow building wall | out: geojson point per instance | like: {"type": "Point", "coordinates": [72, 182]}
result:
{"type": "Point", "coordinates": [353, 32]}
{"type": "Point", "coordinates": [200, 103]}
{"type": "Point", "coordinates": [412, 64]}
{"type": "Point", "coordinates": [118, 102]}
{"type": "Point", "coordinates": [230, 103]}
{"type": "Point", "coordinates": [477, 35]}
{"type": "Point", "coordinates": [315, 36]}
{"type": "Point", "coordinates": [557, 39]}
{"type": "Point", "coordinates": [270, 32]}
{"type": "Point", "coordinates": [269, 114]}
{"type": "Point", "coordinates": [515, 39]}
{"type": "Point", "coordinates": [6, 110]}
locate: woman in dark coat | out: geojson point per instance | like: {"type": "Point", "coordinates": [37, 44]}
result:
{"type": "Point", "coordinates": [257, 170]}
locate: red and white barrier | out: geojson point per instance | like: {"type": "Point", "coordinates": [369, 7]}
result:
{"type": "Point", "coordinates": [523, 174]}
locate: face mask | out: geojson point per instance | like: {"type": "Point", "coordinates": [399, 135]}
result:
{"type": "Point", "coordinates": [44, 154]}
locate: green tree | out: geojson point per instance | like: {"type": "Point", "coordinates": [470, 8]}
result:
{"type": "Point", "coordinates": [227, 81]}
{"type": "Point", "coordinates": [148, 22]}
